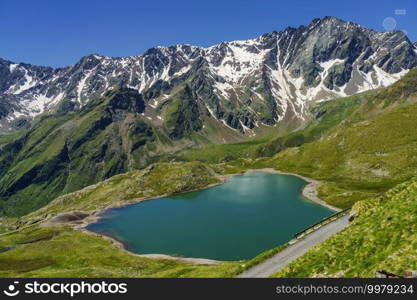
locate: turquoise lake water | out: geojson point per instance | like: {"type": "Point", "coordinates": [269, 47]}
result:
{"type": "Point", "coordinates": [239, 219]}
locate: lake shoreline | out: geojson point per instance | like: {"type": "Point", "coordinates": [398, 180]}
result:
{"type": "Point", "coordinates": [122, 247]}
{"type": "Point", "coordinates": [309, 192]}
{"type": "Point", "coordinates": [95, 217]}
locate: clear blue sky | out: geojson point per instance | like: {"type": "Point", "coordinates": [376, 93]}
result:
{"type": "Point", "coordinates": [57, 33]}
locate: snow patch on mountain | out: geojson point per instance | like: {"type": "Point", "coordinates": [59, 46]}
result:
{"type": "Point", "coordinates": [81, 85]}
{"type": "Point", "coordinates": [12, 67]}
{"type": "Point", "coordinates": [386, 79]}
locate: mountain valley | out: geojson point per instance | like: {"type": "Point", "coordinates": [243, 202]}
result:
{"type": "Point", "coordinates": [332, 101]}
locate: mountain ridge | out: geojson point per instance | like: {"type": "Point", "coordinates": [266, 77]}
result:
{"type": "Point", "coordinates": [241, 84]}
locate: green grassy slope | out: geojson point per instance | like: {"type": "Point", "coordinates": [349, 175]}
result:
{"type": "Point", "coordinates": [64, 252]}
{"type": "Point", "coordinates": [64, 153]}
{"type": "Point", "coordinates": [382, 237]}
{"type": "Point", "coordinates": [224, 152]}
{"type": "Point", "coordinates": [324, 117]}
{"type": "Point", "coordinates": [156, 180]}
{"type": "Point", "coordinates": [369, 152]}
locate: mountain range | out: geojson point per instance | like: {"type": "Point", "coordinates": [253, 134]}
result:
{"type": "Point", "coordinates": [240, 85]}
